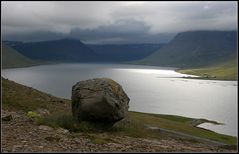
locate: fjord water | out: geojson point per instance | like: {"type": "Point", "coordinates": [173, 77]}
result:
{"type": "Point", "coordinates": [150, 89]}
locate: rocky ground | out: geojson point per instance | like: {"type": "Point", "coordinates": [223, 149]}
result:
{"type": "Point", "coordinates": [21, 134]}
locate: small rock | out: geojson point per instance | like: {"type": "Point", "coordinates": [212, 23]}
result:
{"type": "Point", "coordinates": [78, 141]}
{"type": "Point", "coordinates": [52, 138]}
{"type": "Point", "coordinates": [16, 148]}
{"type": "Point", "coordinates": [24, 141]}
{"type": "Point", "coordinates": [62, 131]}
{"type": "Point", "coordinates": [46, 128]}
{"type": "Point", "coordinates": [60, 101]}
{"type": "Point", "coordinates": [7, 118]}
{"type": "Point", "coordinates": [43, 112]}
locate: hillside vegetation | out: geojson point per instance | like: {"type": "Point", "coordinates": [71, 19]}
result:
{"type": "Point", "coordinates": [196, 49]}
{"type": "Point", "coordinates": [18, 97]}
{"type": "Point", "coordinates": [12, 58]}
{"type": "Point", "coordinates": [224, 71]}
{"type": "Point", "coordinates": [208, 54]}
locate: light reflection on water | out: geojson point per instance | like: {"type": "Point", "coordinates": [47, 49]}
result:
{"type": "Point", "coordinates": [150, 89]}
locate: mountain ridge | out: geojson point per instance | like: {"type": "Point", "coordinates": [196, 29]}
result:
{"type": "Point", "coordinates": [195, 49]}
{"type": "Point", "coordinates": [62, 50]}
{"type": "Point", "coordinates": [50, 50]}
{"type": "Point", "coordinates": [124, 52]}
{"type": "Point", "coordinates": [12, 58]}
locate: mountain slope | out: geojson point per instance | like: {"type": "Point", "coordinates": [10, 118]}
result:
{"type": "Point", "coordinates": [17, 97]}
{"type": "Point", "coordinates": [124, 52]}
{"type": "Point", "coordinates": [196, 49]}
{"type": "Point", "coordinates": [58, 50]}
{"type": "Point", "coordinates": [12, 58]}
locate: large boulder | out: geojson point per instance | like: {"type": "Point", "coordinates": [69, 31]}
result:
{"type": "Point", "coordinates": [100, 100]}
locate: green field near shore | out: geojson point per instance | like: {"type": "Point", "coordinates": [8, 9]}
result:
{"type": "Point", "coordinates": [224, 71]}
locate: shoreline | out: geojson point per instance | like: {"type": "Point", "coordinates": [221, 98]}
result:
{"type": "Point", "coordinates": [202, 78]}
{"type": "Point", "coordinates": [178, 70]}
{"type": "Point", "coordinates": [194, 122]}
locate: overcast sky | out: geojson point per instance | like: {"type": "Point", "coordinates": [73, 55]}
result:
{"type": "Point", "coordinates": [112, 22]}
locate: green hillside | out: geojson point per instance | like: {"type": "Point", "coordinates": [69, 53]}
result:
{"type": "Point", "coordinates": [12, 58]}
{"type": "Point", "coordinates": [19, 97]}
{"type": "Point", "coordinates": [224, 71]}
{"type": "Point", "coordinates": [195, 49]}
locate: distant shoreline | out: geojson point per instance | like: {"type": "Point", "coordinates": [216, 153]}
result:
{"type": "Point", "coordinates": [178, 70]}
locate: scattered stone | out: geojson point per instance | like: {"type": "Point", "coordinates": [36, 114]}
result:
{"type": "Point", "coordinates": [153, 128]}
{"type": "Point", "coordinates": [60, 101]}
{"type": "Point", "coordinates": [24, 141]}
{"type": "Point", "coordinates": [22, 135]}
{"type": "Point", "coordinates": [52, 138]}
{"type": "Point", "coordinates": [16, 148]}
{"type": "Point", "coordinates": [7, 118]}
{"type": "Point", "coordinates": [62, 131]}
{"type": "Point", "coordinates": [46, 128]}
{"type": "Point", "coordinates": [100, 99]}
{"type": "Point", "coordinates": [78, 141]}
{"type": "Point", "coordinates": [43, 112]}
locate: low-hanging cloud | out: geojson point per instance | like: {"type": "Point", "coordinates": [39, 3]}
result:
{"type": "Point", "coordinates": [149, 18]}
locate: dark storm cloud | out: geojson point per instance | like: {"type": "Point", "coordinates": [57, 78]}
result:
{"type": "Point", "coordinates": [35, 36]}
{"type": "Point", "coordinates": [113, 21]}
{"type": "Point", "coordinates": [125, 31]}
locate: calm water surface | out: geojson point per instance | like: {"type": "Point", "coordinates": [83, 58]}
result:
{"type": "Point", "coordinates": [150, 89]}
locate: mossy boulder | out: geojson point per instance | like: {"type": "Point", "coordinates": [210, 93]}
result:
{"type": "Point", "coordinates": [99, 99]}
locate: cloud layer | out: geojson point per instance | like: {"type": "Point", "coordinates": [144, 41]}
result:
{"type": "Point", "coordinates": [114, 18]}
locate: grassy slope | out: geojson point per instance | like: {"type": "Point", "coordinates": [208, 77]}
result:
{"type": "Point", "coordinates": [224, 71]}
{"type": "Point", "coordinates": [19, 97]}
{"type": "Point", "coordinates": [198, 53]}
{"type": "Point", "coordinates": [11, 58]}
{"type": "Point", "coordinates": [180, 124]}
{"type": "Point", "coordinates": [195, 49]}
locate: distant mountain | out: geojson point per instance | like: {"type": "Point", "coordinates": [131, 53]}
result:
{"type": "Point", "coordinates": [71, 50]}
{"type": "Point", "coordinates": [64, 50]}
{"type": "Point", "coordinates": [12, 43]}
{"type": "Point", "coordinates": [11, 58]}
{"type": "Point", "coordinates": [195, 49]}
{"type": "Point", "coordinates": [124, 52]}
